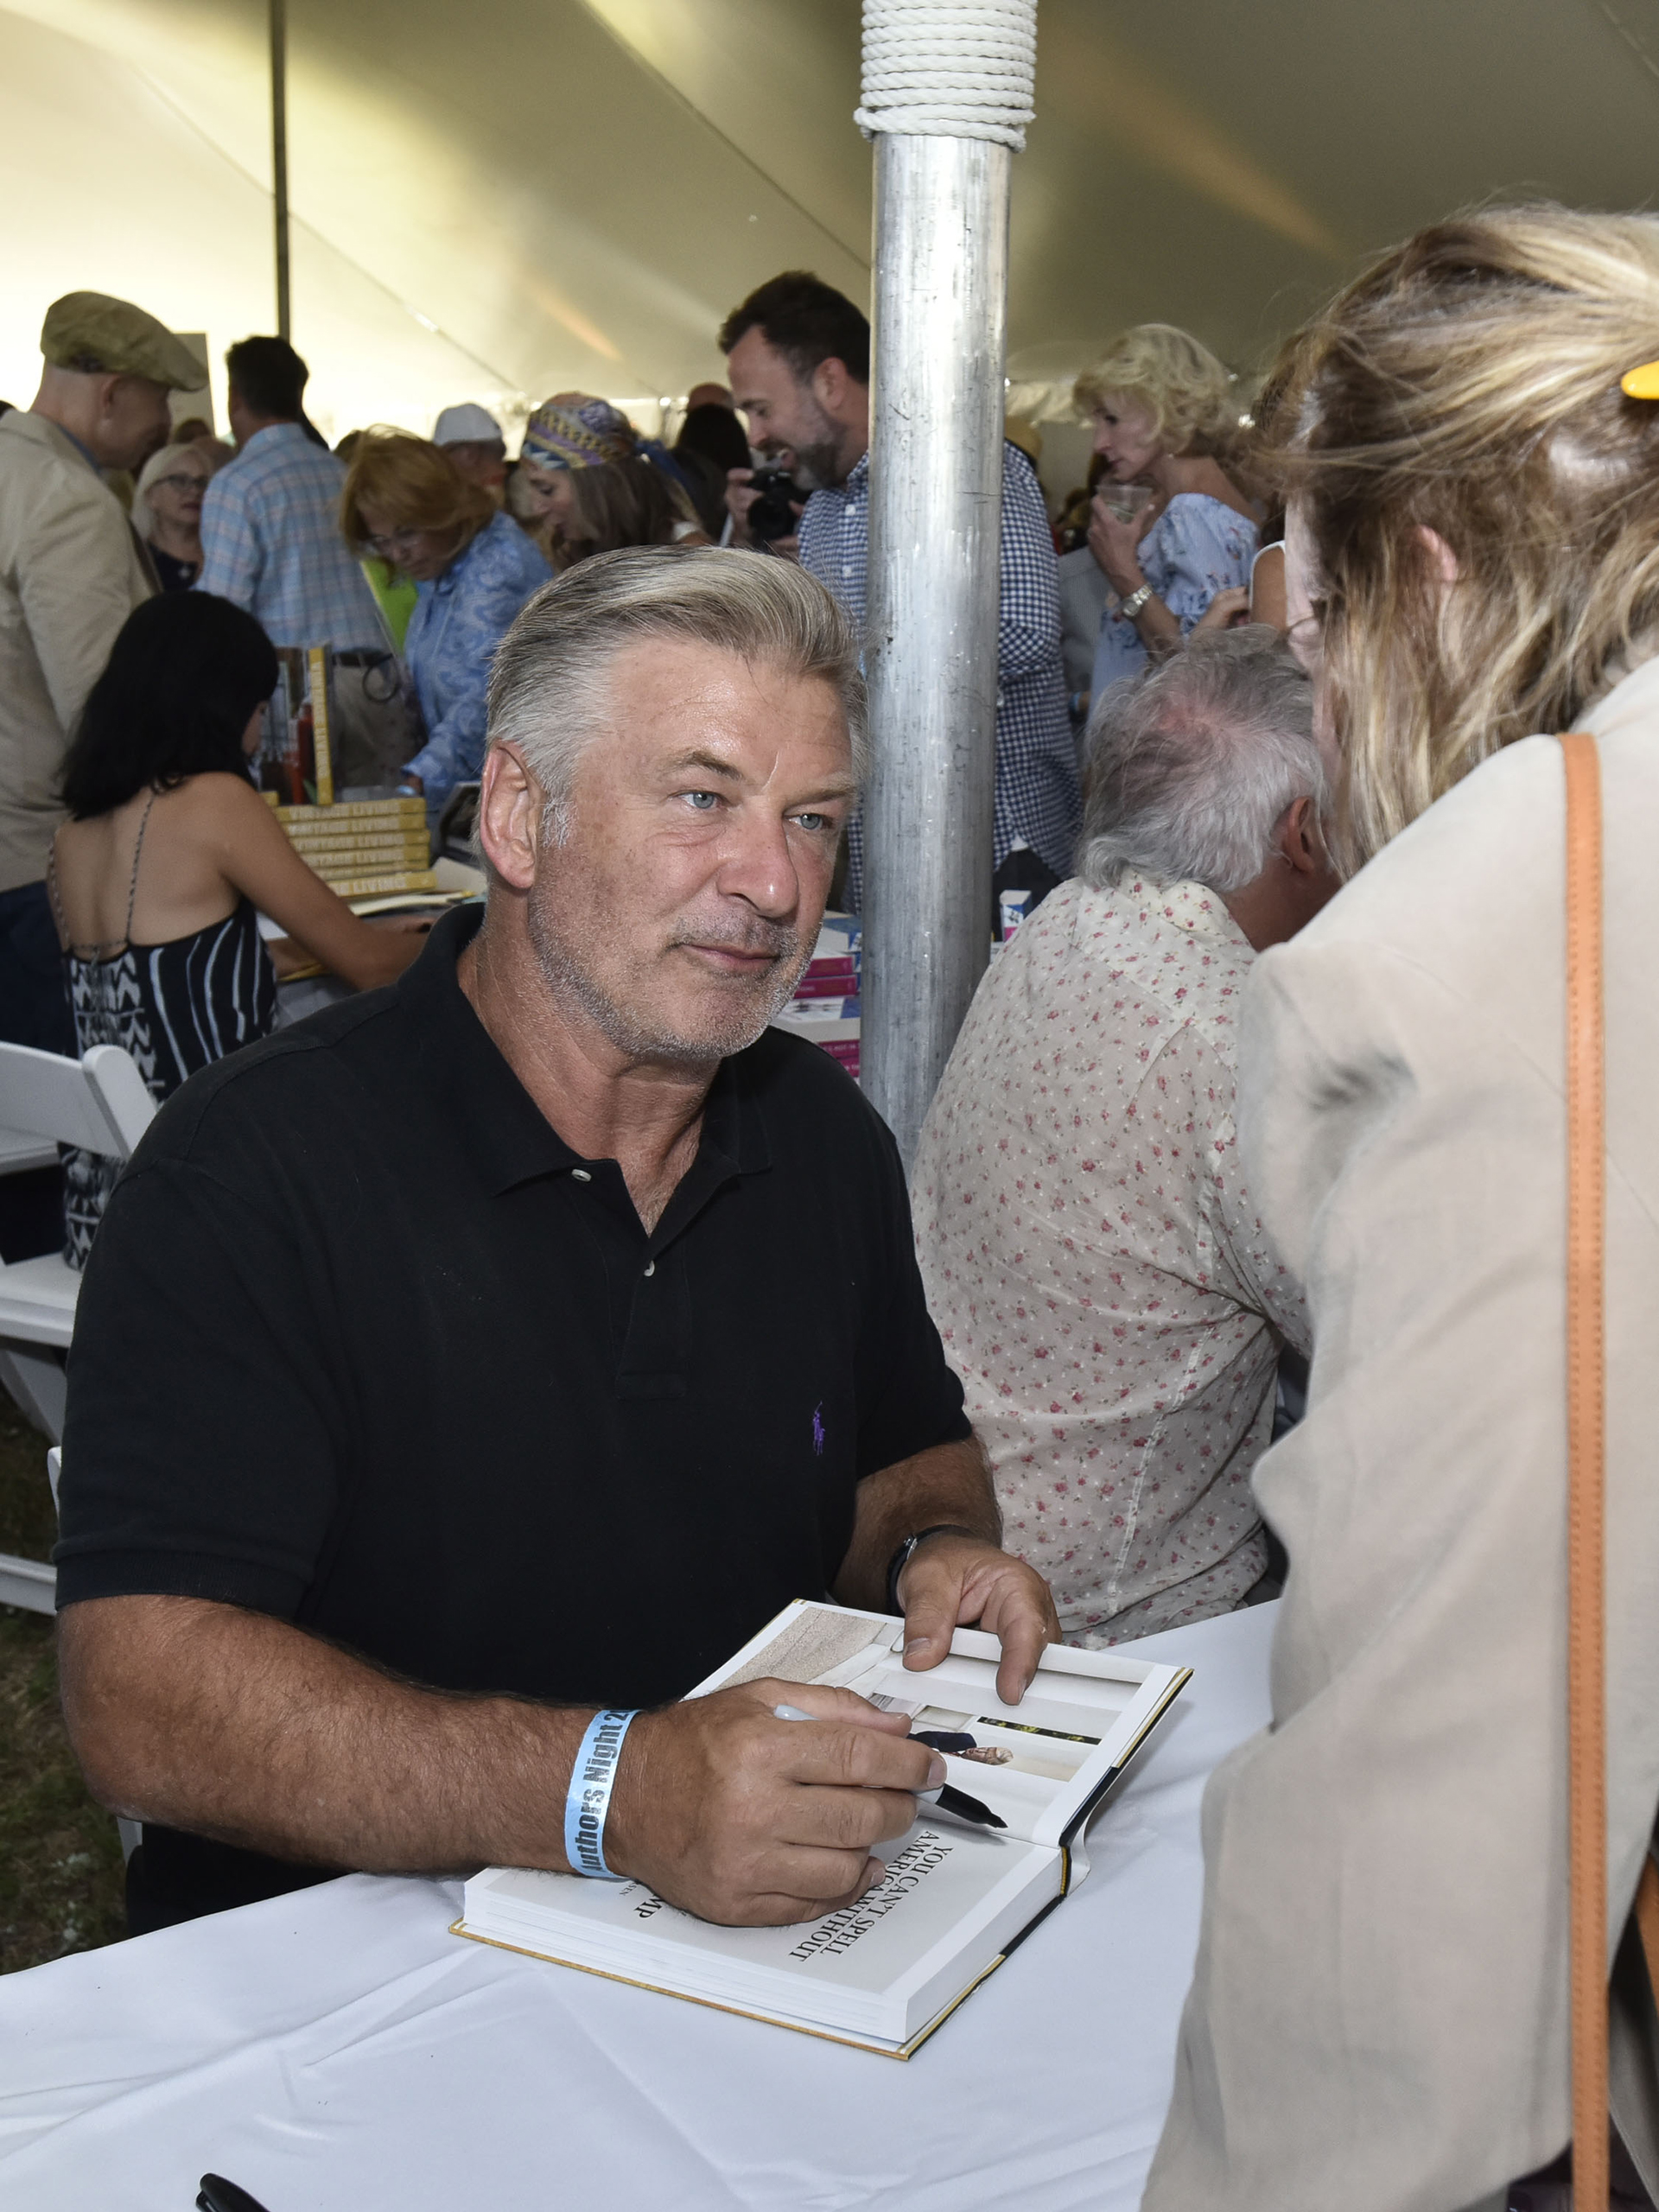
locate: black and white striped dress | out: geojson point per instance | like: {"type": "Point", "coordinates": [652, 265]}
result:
{"type": "Point", "coordinates": [175, 1007]}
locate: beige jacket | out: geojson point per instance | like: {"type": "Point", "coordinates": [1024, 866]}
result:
{"type": "Point", "coordinates": [71, 572]}
{"type": "Point", "coordinates": [1378, 2016]}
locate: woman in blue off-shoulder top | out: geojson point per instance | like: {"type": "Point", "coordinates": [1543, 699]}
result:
{"type": "Point", "coordinates": [1167, 424]}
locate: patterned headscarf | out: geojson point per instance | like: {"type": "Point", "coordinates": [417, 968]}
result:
{"type": "Point", "coordinates": [574, 430]}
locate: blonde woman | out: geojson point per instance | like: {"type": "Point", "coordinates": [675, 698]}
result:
{"type": "Point", "coordinates": [166, 509]}
{"type": "Point", "coordinates": [1378, 2019]}
{"type": "Point", "coordinates": [1166, 421]}
{"type": "Point", "coordinates": [472, 568]}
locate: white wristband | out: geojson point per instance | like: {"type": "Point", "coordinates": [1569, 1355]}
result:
{"type": "Point", "coordinates": [593, 1773]}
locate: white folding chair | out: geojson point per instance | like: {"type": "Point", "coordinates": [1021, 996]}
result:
{"type": "Point", "coordinates": [102, 1104]}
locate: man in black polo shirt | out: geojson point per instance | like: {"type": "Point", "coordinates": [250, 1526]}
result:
{"type": "Point", "coordinates": [517, 1341]}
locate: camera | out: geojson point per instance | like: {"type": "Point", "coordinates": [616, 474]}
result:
{"type": "Point", "coordinates": [771, 514]}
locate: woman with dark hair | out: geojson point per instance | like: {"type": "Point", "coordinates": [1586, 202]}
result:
{"type": "Point", "coordinates": [596, 485]}
{"type": "Point", "coordinates": [711, 443]}
{"type": "Point", "coordinates": [167, 852]}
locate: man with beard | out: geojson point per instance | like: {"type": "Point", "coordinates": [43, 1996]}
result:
{"type": "Point", "coordinates": [514, 1343]}
{"type": "Point", "coordinates": [799, 354]}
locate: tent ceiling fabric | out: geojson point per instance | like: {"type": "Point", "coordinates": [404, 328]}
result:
{"type": "Point", "coordinates": [511, 197]}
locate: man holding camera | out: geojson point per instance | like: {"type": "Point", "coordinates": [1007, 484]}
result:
{"type": "Point", "coordinates": [799, 354]}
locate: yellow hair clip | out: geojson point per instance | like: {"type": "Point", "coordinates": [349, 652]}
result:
{"type": "Point", "coordinates": [1643, 383]}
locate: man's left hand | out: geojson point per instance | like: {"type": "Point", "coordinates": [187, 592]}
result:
{"type": "Point", "coordinates": [951, 1582]}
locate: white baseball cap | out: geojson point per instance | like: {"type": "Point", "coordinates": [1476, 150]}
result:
{"type": "Point", "coordinates": [467, 425]}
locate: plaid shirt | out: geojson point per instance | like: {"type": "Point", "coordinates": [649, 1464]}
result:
{"type": "Point", "coordinates": [270, 542]}
{"type": "Point", "coordinates": [1037, 797]}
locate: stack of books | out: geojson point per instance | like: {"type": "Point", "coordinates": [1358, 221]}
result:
{"type": "Point", "coordinates": [363, 848]}
{"type": "Point", "coordinates": [825, 1008]}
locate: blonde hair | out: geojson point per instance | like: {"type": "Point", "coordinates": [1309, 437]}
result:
{"type": "Point", "coordinates": [1184, 388]}
{"type": "Point", "coordinates": [1468, 384]}
{"type": "Point", "coordinates": [163, 464]}
{"type": "Point", "coordinates": [416, 485]}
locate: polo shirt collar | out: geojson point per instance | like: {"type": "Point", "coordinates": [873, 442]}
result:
{"type": "Point", "coordinates": [505, 1134]}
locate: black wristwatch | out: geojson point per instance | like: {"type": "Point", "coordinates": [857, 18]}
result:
{"type": "Point", "coordinates": [900, 1558]}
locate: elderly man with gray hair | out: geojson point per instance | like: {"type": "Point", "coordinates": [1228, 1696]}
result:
{"type": "Point", "coordinates": [1091, 1254]}
{"type": "Point", "coordinates": [463, 1374]}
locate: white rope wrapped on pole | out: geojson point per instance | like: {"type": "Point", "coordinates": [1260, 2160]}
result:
{"type": "Point", "coordinates": [947, 95]}
{"type": "Point", "coordinates": [949, 69]}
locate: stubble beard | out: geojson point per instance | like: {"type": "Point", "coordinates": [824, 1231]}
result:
{"type": "Point", "coordinates": [817, 463]}
{"type": "Point", "coordinates": [568, 959]}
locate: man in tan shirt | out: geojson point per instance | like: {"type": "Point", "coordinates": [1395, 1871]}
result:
{"type": "Point", "coordinates": [71, 572]}
{"type": "Point", "coordinates": [1089, 1251]}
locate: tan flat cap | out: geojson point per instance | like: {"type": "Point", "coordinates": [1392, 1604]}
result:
{"type": "Point", "coordinates": [90, 331]}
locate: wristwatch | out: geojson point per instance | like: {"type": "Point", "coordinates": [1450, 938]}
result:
{"type": "Point", "coordinates": [1129, 609]}
{"type": "Point", "coordinates": [900, 1558]}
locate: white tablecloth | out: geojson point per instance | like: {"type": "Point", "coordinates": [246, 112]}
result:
{"type": "Point", "coordinates": [340, 2050]}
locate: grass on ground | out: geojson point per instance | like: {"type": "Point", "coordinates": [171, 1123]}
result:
{"type": "Point", "coordinates": [60, 1880]}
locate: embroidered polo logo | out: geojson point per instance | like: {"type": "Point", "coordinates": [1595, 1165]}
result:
{"type": "Point", "coordinates": [817, 1428]}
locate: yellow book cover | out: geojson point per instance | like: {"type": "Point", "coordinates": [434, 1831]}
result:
{"type": "Point", "coordinates": [353, 811]}
{"type": "Point", "coordinates": [395, 847]}
{"type": "Point", "coordinates": [372, 886]}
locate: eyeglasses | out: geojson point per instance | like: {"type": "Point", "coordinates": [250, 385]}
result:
{"type": "Point", "coordinates": [396, 540]}
{"type": "Point", "coordinates": [179, 484]}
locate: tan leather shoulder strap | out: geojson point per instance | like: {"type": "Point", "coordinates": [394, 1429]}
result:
{"type": "Point", "coordinates": [1586, 1454]}
{"type": "Point", "coordinates": [1647, 1919]}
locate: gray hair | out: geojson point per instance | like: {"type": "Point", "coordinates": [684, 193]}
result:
{"type": "Point", "coordinates": [1191, 767]}
{"type": "Point", "coordinates": [547, 686]}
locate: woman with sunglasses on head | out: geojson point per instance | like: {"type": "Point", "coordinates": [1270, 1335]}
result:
{"type": "Point", "coordinates": [472, 568]}
{"type": "Point", "coordinates": [1379, 2013]}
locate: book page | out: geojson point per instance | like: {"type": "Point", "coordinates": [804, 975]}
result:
{"type": "Point", "coordinates": [1035, 1764]}
{"type": "Point", "coordinates": [884, 1964]}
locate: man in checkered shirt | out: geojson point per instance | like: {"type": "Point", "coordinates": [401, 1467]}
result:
{"type": "Point", "coordinates": [272, 543]}
{"type": "Point", "coordinates": [799, 355]}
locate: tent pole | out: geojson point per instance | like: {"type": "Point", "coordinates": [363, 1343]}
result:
{"type": "Point", "coordinates": [945, 124]}
{"type": "Point", "coordinates": [279, 153]}
{"type": "Point", "coordinates": [936, 506]}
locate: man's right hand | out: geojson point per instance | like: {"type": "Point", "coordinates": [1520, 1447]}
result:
{"type": "Point", "coordinates": [753, 1821]}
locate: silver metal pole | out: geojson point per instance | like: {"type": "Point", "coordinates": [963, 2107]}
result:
{"type": "Point", "coordinates": [936, 508]}
{"type": "Point", "coordinates": [279, 153]}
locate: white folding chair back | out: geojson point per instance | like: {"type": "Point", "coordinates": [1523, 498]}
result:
{"type": "Point", "coordinates": [100, 1104]}
{"type": "Point", "coordinates": [103, 1104]}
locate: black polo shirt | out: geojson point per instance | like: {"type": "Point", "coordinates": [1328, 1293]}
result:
{"type": "Point", "coordinates": [364, 1345]}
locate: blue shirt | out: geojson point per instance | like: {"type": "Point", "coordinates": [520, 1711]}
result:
{"type": "Point", "coordinates": [458, 622]}
{"type": "Point", "coordinates": [270, 542]}
{"type": "Point", "coordinates": [1037, 800]}
{"type": "Point", "coordinates": [1198, 548]}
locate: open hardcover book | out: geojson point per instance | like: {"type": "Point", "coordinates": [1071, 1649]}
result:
{"type": "Point", "coordinates": [956, 1899]}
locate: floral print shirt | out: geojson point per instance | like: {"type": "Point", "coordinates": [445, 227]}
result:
{"type": "Point", "coordinates": [1094, 1262]}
